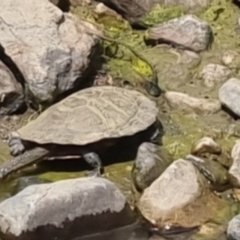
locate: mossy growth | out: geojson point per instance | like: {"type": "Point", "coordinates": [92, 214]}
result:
{"type": "Point", "coordinates": [160, 14]}
{"type": "Point", "coordinates": [222, 15]}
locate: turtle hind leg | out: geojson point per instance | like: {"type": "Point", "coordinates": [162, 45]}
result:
{"type": "Point", "coordinates": [15, 144]}
{"type": "Point", "coordinates": [94, 161]}
{"type": "Point", "coordinates": [28, 157]}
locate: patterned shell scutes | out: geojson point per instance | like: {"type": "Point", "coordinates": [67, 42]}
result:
{"type": "Point", "coordinates": [91, 115]}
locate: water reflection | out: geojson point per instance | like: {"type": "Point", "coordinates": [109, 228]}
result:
{"type": "Point", "coordinates": [132, 232]}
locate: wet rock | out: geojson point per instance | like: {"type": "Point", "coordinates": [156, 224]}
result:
{"type": "Point", "coordinates": [48, 46]}
{"type": "Point", "coordinates": [233, 230]}
{"type": "Point", "coordinates": [234, 170]}
{"type": "Point", "coordinates": [188, 32]}
{"type": "Point", "coordinates": [229, 95]}
{"type": "Point", "coordinates": [161, 202]}
{"type": "Point", "coordinates": [183, 101]}
{"type": "Point", "coordinates": [205, 145]}
{"type": "Point", "coordinates": [213, 74]}
{"type": "Point", "coordinates": [151, 162]}
{"type": "Point", "coordinates": [64, 210]}
{"type": "Point", "coordinates": [11, 93]}
{"type": "Point", "coordinates": [231, 59]}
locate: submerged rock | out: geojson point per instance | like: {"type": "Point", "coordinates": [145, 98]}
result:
{"type": "Point", "coordinates": [11, 92]}
{"type": "Point", "coordinates": [213, 74]}
{"type": "Point", "coordinates": [24, 182]}
{"type": "Point", "coordinates": [151, 162]}
{"type": "Point", "coordinates": [229, 95]}
{"type": "Point", "coordinates": [48, 46]}
{"type": "Point", "coordinates": [183, 101]}
{"type": "Point", "coordinates": [65, 210]}
{"type": "Point", "coordinates": [188, 32]}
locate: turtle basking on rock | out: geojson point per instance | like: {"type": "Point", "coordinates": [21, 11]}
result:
{"type": "Point", "coordinates": [81, 124]}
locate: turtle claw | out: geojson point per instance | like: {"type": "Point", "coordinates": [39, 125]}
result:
{"type": "Point", "coordinates": [15, 144]}
{"type": "Point", "coordinates": [4, 172]}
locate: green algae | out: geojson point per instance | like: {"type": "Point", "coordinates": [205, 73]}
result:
{"type": "Point", "coordinates": [160, 13]}
{"type": "Point", "coordinates": [222, 15]}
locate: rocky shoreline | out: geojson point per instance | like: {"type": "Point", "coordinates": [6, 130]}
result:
{"type": "Point", "coordinates": [184, 186]}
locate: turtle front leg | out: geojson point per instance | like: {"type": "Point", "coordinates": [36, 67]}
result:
{"type": "Point", "coordinates": [15, 144]}
{"type": "Point", "coordinates": [94, 161]}
{"type": "Point", "coordinates": [29, 157]}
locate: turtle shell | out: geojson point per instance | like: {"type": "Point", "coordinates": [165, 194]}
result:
{"type": "Point", "coordinates": [91, 115]}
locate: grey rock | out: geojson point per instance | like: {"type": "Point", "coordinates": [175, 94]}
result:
{"type": "Point", "coordinates": [229, 95]}
{"type": "Point", "coordinates": [64, 210]}
{"type": "Point", "coordinates": [233, 230]}
{"type": "Point", "coordinates": [175, 192]}
{"type": "Point", "coordinates": [188, 32]}
{"type": "Point", "coordinates": [11, 93]}
{"type": "Point", "coordinates": [151, 162]}
{"type": "Point", "coordinates": [48, 46]}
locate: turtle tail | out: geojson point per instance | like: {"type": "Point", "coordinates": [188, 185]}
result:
{"type": "Point", "coordinates": [28, 157]}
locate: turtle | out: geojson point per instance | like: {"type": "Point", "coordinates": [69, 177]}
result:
{"type": "Point", "coordinates": [79, 125]}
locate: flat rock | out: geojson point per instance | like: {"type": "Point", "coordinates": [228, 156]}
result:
{"type": "Point", "coordinates": [11, 93]}
{"type": "Point", "coordinates": [188, 32]}
{"type": "Point", "coordinates": [176, 198]}
{"type": "Point", "coordinates": [48, 46]}
{"type": "Point", "coordinates": [64, 210]}
{"type": "Point", "coordinates": [185, 102]}
{"type": "Point", "coordinates": [229, 95]}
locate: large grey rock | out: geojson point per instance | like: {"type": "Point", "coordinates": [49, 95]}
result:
{"type": "Point", "coordinates": [176, 197]}
{"type": "Point", "coordinates": [11, 94]}
{"type": "Point", "coordinates": [64, 210]}
{"type": "Point", "coordinates": [187, 31]}
{"type": "Point", "coordinates": [233, 230]}
{"type": "Point", "coordinates": [229, 95]}
{"type": "Point", "coordinates": [49, 47]}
